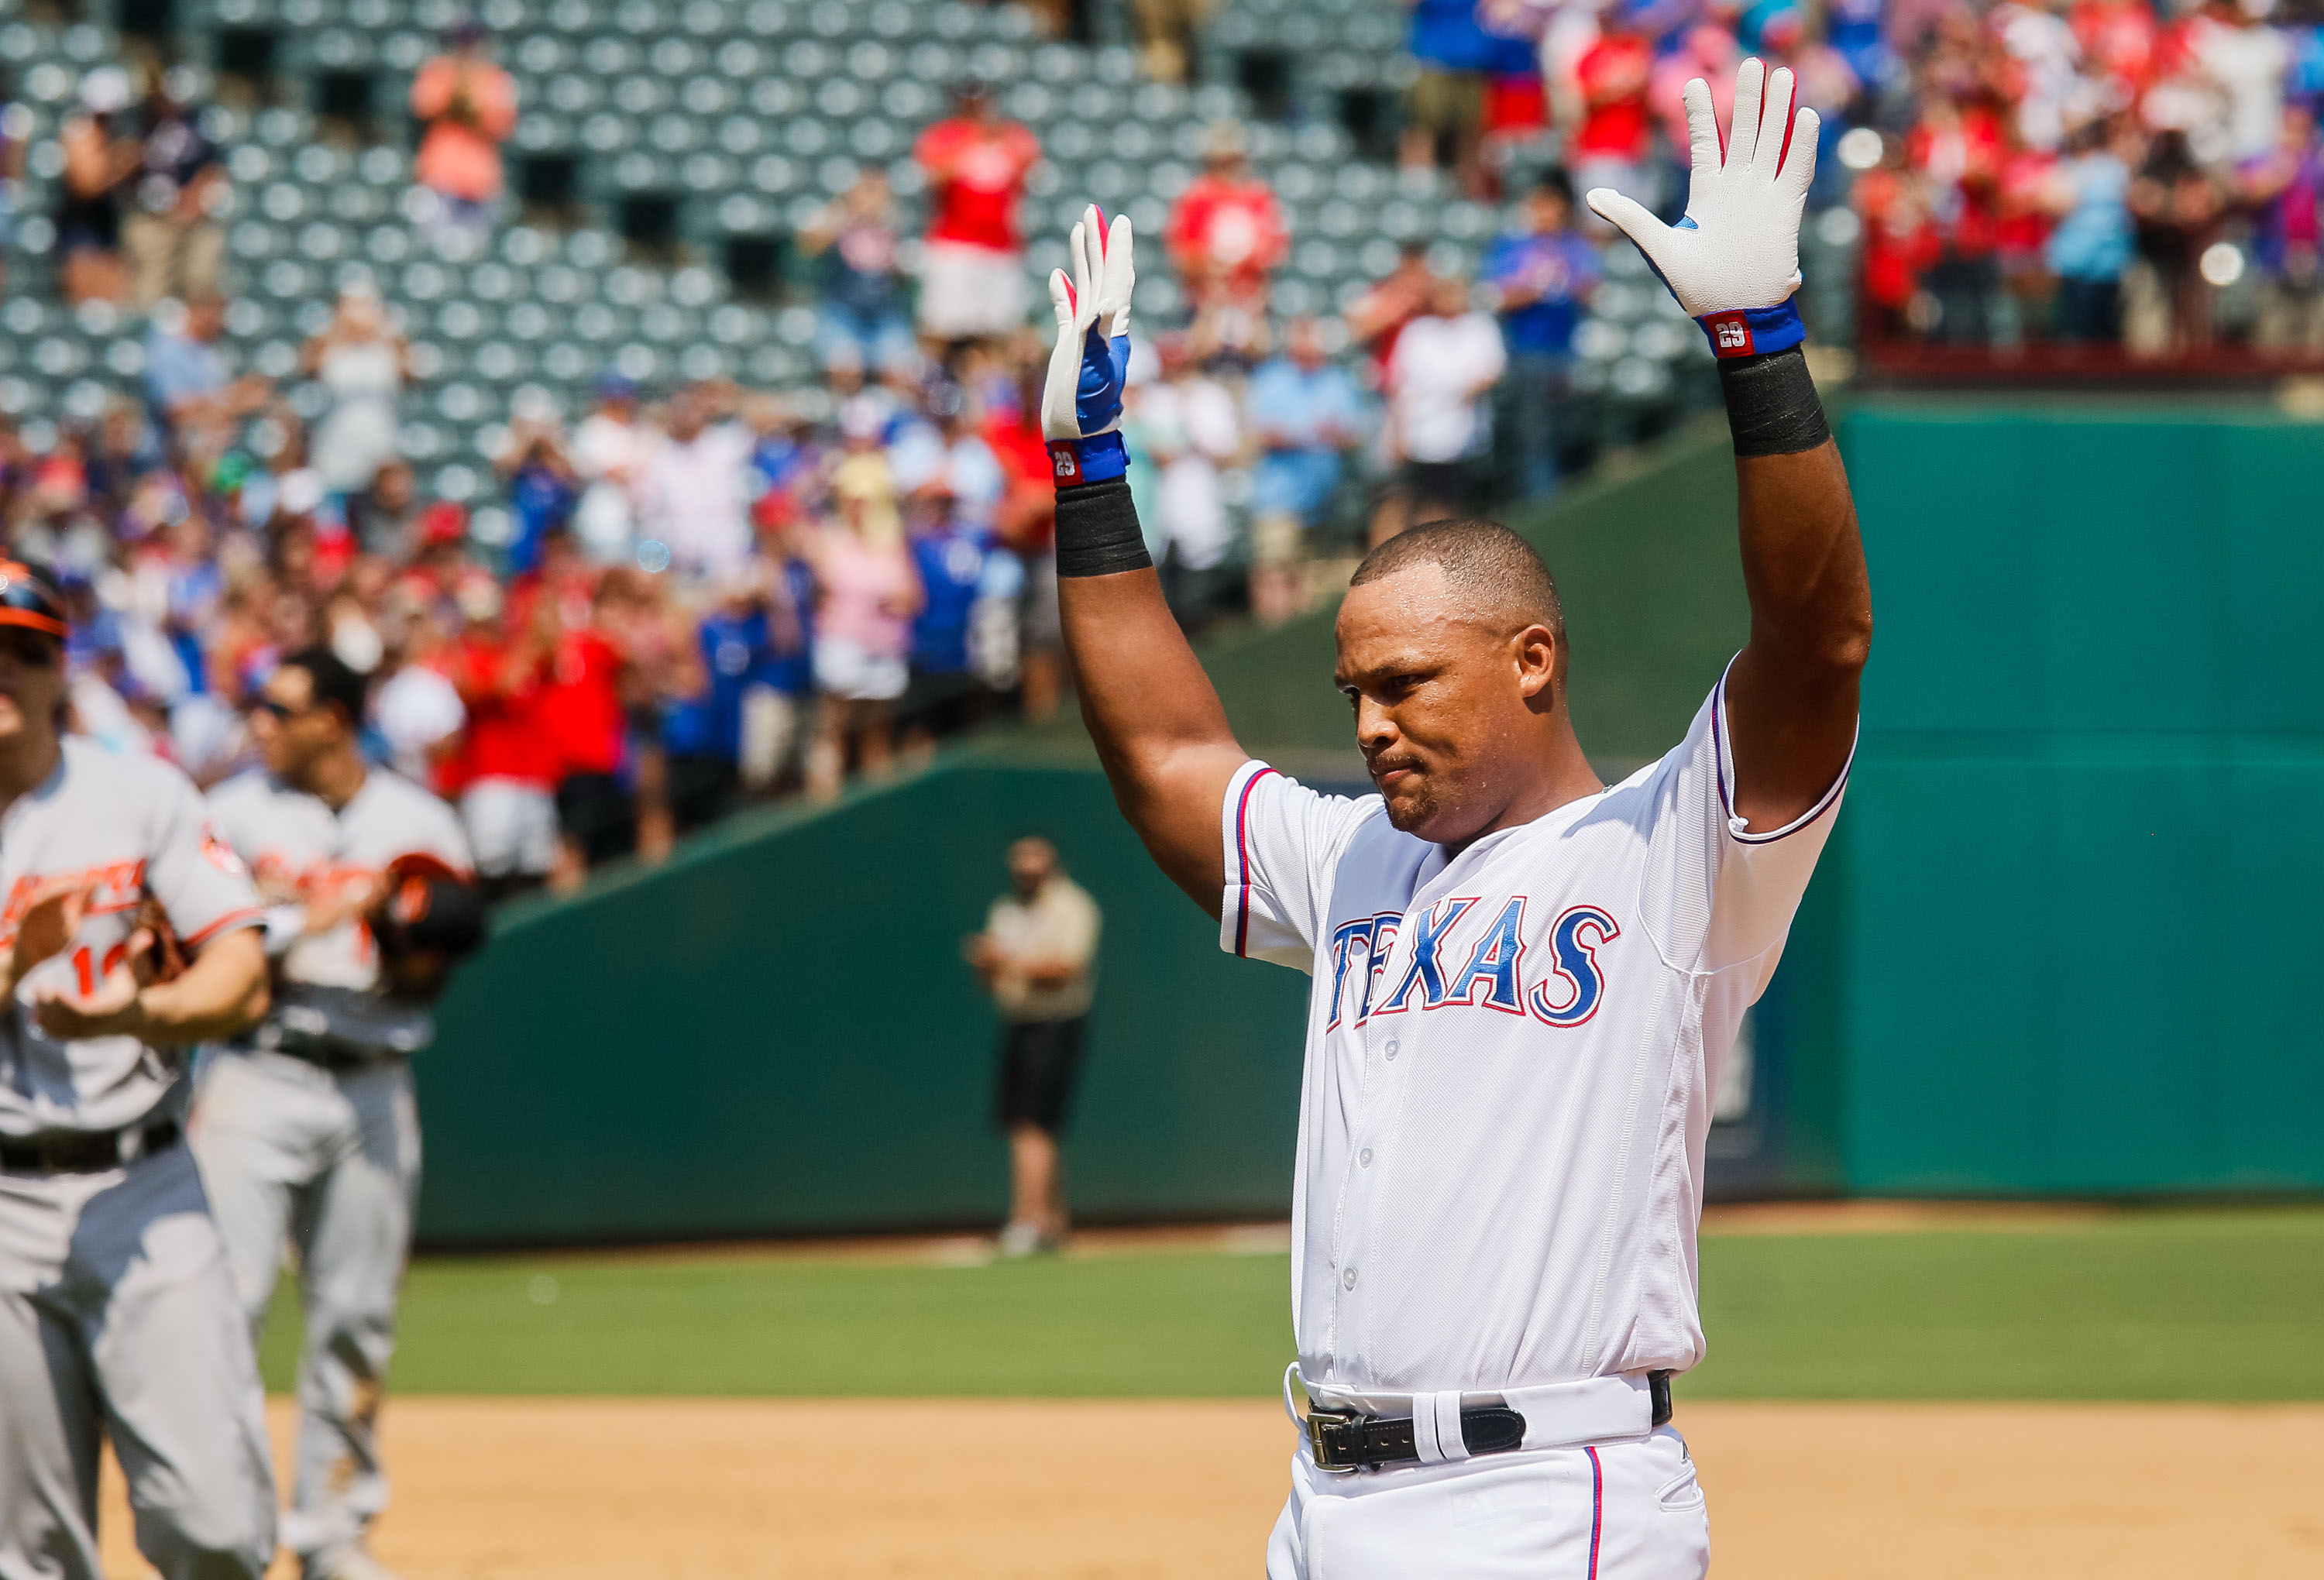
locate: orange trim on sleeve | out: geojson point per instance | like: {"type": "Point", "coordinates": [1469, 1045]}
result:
{"type": "Point", "coordinates": [251, 916]}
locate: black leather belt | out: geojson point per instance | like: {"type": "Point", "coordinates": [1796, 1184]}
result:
{"type": "Point", "coordinates": [87, 1151]}
{"type": "Point", "coordinates": [1345, 1440]}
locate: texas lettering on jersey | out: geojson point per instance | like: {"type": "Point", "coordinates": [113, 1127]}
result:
{"type": "Point", "coordinates": [1491, 971]}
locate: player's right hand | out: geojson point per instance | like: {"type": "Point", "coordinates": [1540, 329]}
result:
{"type": "Point", "coordinates": [48, 926]}
{"type": "Point", "coordinates": [1080, 399]}
{"type": "Point", "coordinates": [1733, 262]}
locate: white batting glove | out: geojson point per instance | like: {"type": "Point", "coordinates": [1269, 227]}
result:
{"type": "Point", "coordinates": [1080, 399]}
{"type": "Point", "coordinates": [1734, 260]}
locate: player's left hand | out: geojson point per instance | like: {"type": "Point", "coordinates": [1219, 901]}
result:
{"type": "Point", "coordinates": [1080, 399]}
{"type": "Point", "coordinates": [1733, 262]}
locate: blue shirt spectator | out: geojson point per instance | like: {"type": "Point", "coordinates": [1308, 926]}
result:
{"type": "Point", "coordinates": [1446, 33]}
{"type": "Point", "coordinates": [182, 371]}
{"type": "Point", "coordinates": [950, 558]}
{"type": "Point", "coordinates": [1543, 274]}
{"type": "Point", "coordinates": [1306, 411]}
{"type": "Point", "coordinates": [790, 664]}
{"type": "Point", "coordinates": [737, 650]}
{"type": "Point", "coordinates": [2093, 240]}
{"type": "Point", "coordinates": [542, 498]}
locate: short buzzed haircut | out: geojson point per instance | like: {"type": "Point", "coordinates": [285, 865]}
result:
{"type": "Point", "coordinates": [1489, 566]}
{"type": "Point", "coordinates": [335, 681]}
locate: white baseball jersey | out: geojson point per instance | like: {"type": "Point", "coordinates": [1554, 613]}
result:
{"type": "Point", "coordinates": [326, 1001]}
{"type": "Point", "coordinates": [130, 825]}
{"type": "Point", "coordinates": [1510, 1059]}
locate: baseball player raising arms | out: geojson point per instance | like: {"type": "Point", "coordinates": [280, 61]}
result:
{"type": "Point", "coordinates": [117, 1318]}
{"type": "Point", "coordinates": [305, 1127]}
{"type": "Point", "coordinates": [1526, 981]}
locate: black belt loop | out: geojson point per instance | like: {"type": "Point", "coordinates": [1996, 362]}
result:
{"type": "Point", "coordinates": [1658, 1390]}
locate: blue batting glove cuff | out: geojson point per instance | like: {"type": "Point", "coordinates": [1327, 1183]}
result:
{"type": "Point", "coordinates": [1754, 331]}
{"type": "Point", "coordinates": [1073, 462]}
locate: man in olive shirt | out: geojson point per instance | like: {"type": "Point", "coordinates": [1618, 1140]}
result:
{"type": "Point", "coordinates": [1037, 956]}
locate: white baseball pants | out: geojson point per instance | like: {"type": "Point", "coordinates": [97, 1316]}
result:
{"type": "Point", "coordinates": [118, 1319]}
{"type": "Point", "coordinates": [1628, 1510]}
{"type": "Point", "coordinates": [295, 1154]}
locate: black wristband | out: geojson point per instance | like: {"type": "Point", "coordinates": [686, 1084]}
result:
{"type": "Point", "coordinates": [1097, 531]}
{"type": "Point", "coordinates": [1771, 409]}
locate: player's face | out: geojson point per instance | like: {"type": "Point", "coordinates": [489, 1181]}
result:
{"type": "Point", "coordinates": [290, 730]}
{"type": "Point", "coordinates": [32, 680]}
{"type": "Point", "coordinates": [1441, 700]}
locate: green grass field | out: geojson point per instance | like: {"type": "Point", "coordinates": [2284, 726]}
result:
{"type": "Point", "coordinates": [2142, 1305]}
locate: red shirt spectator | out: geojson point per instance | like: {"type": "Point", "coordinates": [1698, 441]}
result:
{"type": "Point", "coordinates": [1959, 151]}
{"type": "Point", "coordinates": [1613, 73]}
{"type": "Point", "coordinates": [580, 705]}
{"type": "Point", "coordinates": [976, 165]}
{"type": "Point", "coordinates": [1226, 230]}
{"type": "Point", "coordinates": [501, 680]}
{"type": "Point", "coordinates": [1027, 516]}
{"type": "Point", "coordinates": [2118, 38]}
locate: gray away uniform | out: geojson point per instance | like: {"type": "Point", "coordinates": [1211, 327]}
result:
{"type": "Point", "coordinates": [118, 1314]}
{"type": "Point", "coordinates": [307, 1130]}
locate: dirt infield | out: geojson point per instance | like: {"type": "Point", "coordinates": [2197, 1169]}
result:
{"type": "Point", "coordinates": [733, 1490]}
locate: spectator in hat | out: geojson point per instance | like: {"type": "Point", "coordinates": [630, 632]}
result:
{"type": "Point", "coordinates": [469, 105]}
{"type": "Point", "coordinates": [1225, 235]}
{"type": "Point", "coordinates": [862, 639]}
{"type": "Point", "coordinates": [172, 242]}
{"type": "Point", "coordinates": [101, 161]}
{"type": "Point", "coordinates": [1541, 278]}
{"type": "Point", "coordinates": [973, 272]}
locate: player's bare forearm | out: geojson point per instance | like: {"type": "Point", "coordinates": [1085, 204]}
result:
{"type": "Point", "coordinates": [1157, 722]}
{"type": "Point", "coordinates": [1791, 697]}
{"type": "Point", "coordinates": [224, 992]}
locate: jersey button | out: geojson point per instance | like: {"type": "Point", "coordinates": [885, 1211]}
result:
{"type": "Point", "coordinates": [1365, 1157]}
{"type": "Point", "coordinates": [1392, 1046]}
{"type": "Point", "coordinates": [1349, 1278]}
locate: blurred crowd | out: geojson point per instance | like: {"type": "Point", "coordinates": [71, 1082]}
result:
{"type": "Point", "coordinates": [696, 595]}
{"type": "Point", "coordinates": [2106, 172]}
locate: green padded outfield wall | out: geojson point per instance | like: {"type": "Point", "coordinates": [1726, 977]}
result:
{"type": "Point", "coordinates": [2071, 907]}
{"type": "Point", "coordinates": [776, 1034]}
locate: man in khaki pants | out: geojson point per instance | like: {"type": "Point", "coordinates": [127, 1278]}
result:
{"type": "Point", "coordinates": [166, 229]}
{"type": "Point", "coordinates": [1037, 956]}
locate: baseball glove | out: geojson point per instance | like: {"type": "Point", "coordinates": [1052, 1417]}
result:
{"type": "Point", "coordinates": [427, 918]}
{"type": "Point", "coordinates": [156, 954]}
